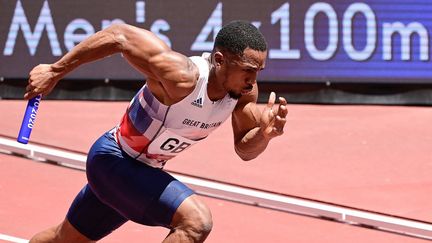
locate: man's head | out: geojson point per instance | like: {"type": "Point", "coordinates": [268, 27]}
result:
{"type": "Point", "coordinates": [236, 36]}
{"type": "Point", "coordinates": [239, 53]}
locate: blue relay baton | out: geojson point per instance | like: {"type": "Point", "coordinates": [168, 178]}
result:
{"type": "Point", "coordinates": [29, 119]}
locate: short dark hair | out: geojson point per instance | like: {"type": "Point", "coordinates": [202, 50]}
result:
{"type": "Point", "coordinates": [238, 35]}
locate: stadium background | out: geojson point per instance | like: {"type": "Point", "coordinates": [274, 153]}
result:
{"type": "Point", "coordinates": [320, 52]}
{"type": "Point", "coordinates": [357, 154]}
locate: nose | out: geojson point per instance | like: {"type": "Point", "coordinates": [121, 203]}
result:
{"type": "Point", "coordinates": [251, 79]}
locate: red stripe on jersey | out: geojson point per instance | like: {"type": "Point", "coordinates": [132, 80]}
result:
{"type": "Point", "coordinates": [132, 136]}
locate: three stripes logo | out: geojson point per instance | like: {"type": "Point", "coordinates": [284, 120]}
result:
{"type": "Point", "coordinates": [198, 102]}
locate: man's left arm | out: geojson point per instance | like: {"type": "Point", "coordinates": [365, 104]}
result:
{"type": "Point", "coordinates": [253, 129]}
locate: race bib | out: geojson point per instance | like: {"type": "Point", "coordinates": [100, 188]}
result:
{"type": "Point", "coordinates": [169, 144]}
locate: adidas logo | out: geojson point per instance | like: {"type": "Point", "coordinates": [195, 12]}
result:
{"type": "Point", "coordinates": [198, 102]}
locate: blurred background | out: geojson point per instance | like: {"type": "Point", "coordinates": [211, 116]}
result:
{"type": "Point", "coordinates": [338, 52]}
{"type": "Point", "coordinates": [357, 77]}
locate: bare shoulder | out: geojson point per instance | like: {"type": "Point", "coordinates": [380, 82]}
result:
{"type": "Point", "coordinates": [173, 74]}
{"type": "Point", "coordinates": [174, 69]}
{"type": "Point", "coordinates": [150, 54]}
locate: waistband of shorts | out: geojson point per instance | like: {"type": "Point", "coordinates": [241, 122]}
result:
{"type": "Point", "coordinates": [114, 132]}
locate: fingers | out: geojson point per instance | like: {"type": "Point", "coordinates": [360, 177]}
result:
{"type": "Point", "coordinates": [29, 87]}
{"type": "Point", "coordinates": [30, 94]}
{"type": "Point", "coordinates": [40, 81]}
{"type": "Point", "coordinates": [29, 91]}
{"type": "Point", "coordinates": [32, 91]}
{"type": "Point", "coordinates": [283, 110]}
{"type": "Point", "coordinates": [279, 116]}
{"type": "Point", "coordinates": [271, 101]}
{"type": "Point", "coordinates": [279, 124]}
{"type": "Point", "coordinates": [282, 101]}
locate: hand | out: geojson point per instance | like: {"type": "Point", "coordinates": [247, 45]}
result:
{"type": "Point", "coordinates": [272, 122]}
{"type": "Point", "coordinates": [41, 81]}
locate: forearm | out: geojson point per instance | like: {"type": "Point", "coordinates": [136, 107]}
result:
{"type": "Point", "coordinates": [252, 144]}
{"type": "Point", "coordinates": [102, 44]}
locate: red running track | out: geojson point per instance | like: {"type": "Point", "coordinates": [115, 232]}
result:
{"type": "Point", "coordinates": [370, 157]}
{"type": "Point", "coordinates": [37, 195]}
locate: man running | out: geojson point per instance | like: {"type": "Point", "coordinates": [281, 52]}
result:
{"type": "Point", "coordinates": [182, 102]}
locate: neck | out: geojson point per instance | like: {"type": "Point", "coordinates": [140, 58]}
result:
{"type": "Point", "coordinates": [215, 90]}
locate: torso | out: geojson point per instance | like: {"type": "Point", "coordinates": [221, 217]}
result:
{"type": "Point", "coordinates": [153, 132]}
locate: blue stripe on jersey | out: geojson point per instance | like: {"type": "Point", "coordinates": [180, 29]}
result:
{"type": "Point", "coordinates": [139, 116]}
{"type": "Point", "coordinates": [150, 99]}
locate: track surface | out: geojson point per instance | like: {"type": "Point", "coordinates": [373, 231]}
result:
{"type": "Point", "coordinates": [370, 157]}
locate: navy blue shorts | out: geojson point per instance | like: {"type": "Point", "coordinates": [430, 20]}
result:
{"type": "Point", "coordinates": [120, 189]}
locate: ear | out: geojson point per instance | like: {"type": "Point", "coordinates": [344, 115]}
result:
{"type": "Point", "coordinates": [219, 58]}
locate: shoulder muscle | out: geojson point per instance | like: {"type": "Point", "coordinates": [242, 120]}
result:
{"type": "Point", "coordinates": [176, 72]}
{"type": "Point", "coordinates": [152, 57]}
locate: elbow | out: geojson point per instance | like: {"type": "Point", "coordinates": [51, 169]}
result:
{"type": "Point", "coordinates": [245, 156]}
{"type": "Point", "coordinates": [118, 33]}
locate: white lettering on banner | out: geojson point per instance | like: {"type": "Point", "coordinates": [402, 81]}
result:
{"type": "Point", "coordinates": [212, 27]}
{"type": "Point", "coordinates": [339, 34]}
{"type": "Point", "coordinates": [313, 11]}
{"type": "Point", "coordinates": [389, 29]}
{"type": "Point", "coordinates": [140, 12]}
{"type": "Point", "coordinates": [282, 15]}
{"type": "Point", "coordinates": [71, 38]}
{"type": "Point", "coordinates": [161, 25]}
{"type": "Point", "coordinates": [371, 41]}
{"type": "Point", "coordinates": [106, 22]}
{"type": "Point", "coordinates": [257, 24]}
{"type": "Point", "coordinates": [19, 21]}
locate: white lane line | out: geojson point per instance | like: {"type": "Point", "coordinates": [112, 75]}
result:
{"type": "Point", "coordinates": [250, 196]}
{"type": "Point", "coordinates": [12, 239]}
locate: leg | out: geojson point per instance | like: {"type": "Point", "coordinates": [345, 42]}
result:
{"type": "Point", "coordinates": [88, 220]}
{"type": "Point", "coordinates": [144, 194]}
{"type": "Point", "coordinates": [151, 196]}
{"type": "Point", "coordinates": [192, 222]}
{"type": "Point", "coordinates": [64, 232]}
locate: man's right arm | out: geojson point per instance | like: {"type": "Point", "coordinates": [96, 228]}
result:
{"type": "Point", "coordinates": [140, 47]}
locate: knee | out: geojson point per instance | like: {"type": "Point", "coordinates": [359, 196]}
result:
{"type": "Point", "coordinates": [196, 223]}
{"type": "Point", "coordinates": [199, 224]}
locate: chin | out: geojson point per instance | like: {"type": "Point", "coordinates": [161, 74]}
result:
{"type": "Point", "coordinates": [234, 95]}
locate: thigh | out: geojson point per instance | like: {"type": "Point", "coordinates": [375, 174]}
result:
{"type": "Point", "coordinates": [140, 193]}
{"type": "Point", "coordinates": [91, 217]}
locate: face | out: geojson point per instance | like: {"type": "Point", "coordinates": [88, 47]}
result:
{"type": "Point", "coordinates": [240, 72]}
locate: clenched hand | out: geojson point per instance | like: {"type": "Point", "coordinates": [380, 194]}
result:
{"type": "Point", "coordinates": [42, 80]}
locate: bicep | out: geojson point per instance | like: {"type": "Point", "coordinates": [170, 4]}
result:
{"type": "Point", "coordinates": [152, 57]}
{"type": "Point", "coordinates": [138, 46]}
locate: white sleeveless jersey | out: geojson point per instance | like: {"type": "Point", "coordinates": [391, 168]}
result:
{"type": "Point", "coordinates": [152, 132]}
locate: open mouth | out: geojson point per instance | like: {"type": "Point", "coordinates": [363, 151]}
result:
{"type": "Point", "coordinates": [247, 90]}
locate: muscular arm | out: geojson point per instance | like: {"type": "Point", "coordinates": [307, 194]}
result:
{"type": "Point", "coordinates": [254, 129]}
{"type": "Point", "coordinates": [143, 50]}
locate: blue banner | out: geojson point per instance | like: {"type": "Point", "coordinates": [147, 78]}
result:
{"type": "Point", "coordinates": [378, 41]}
